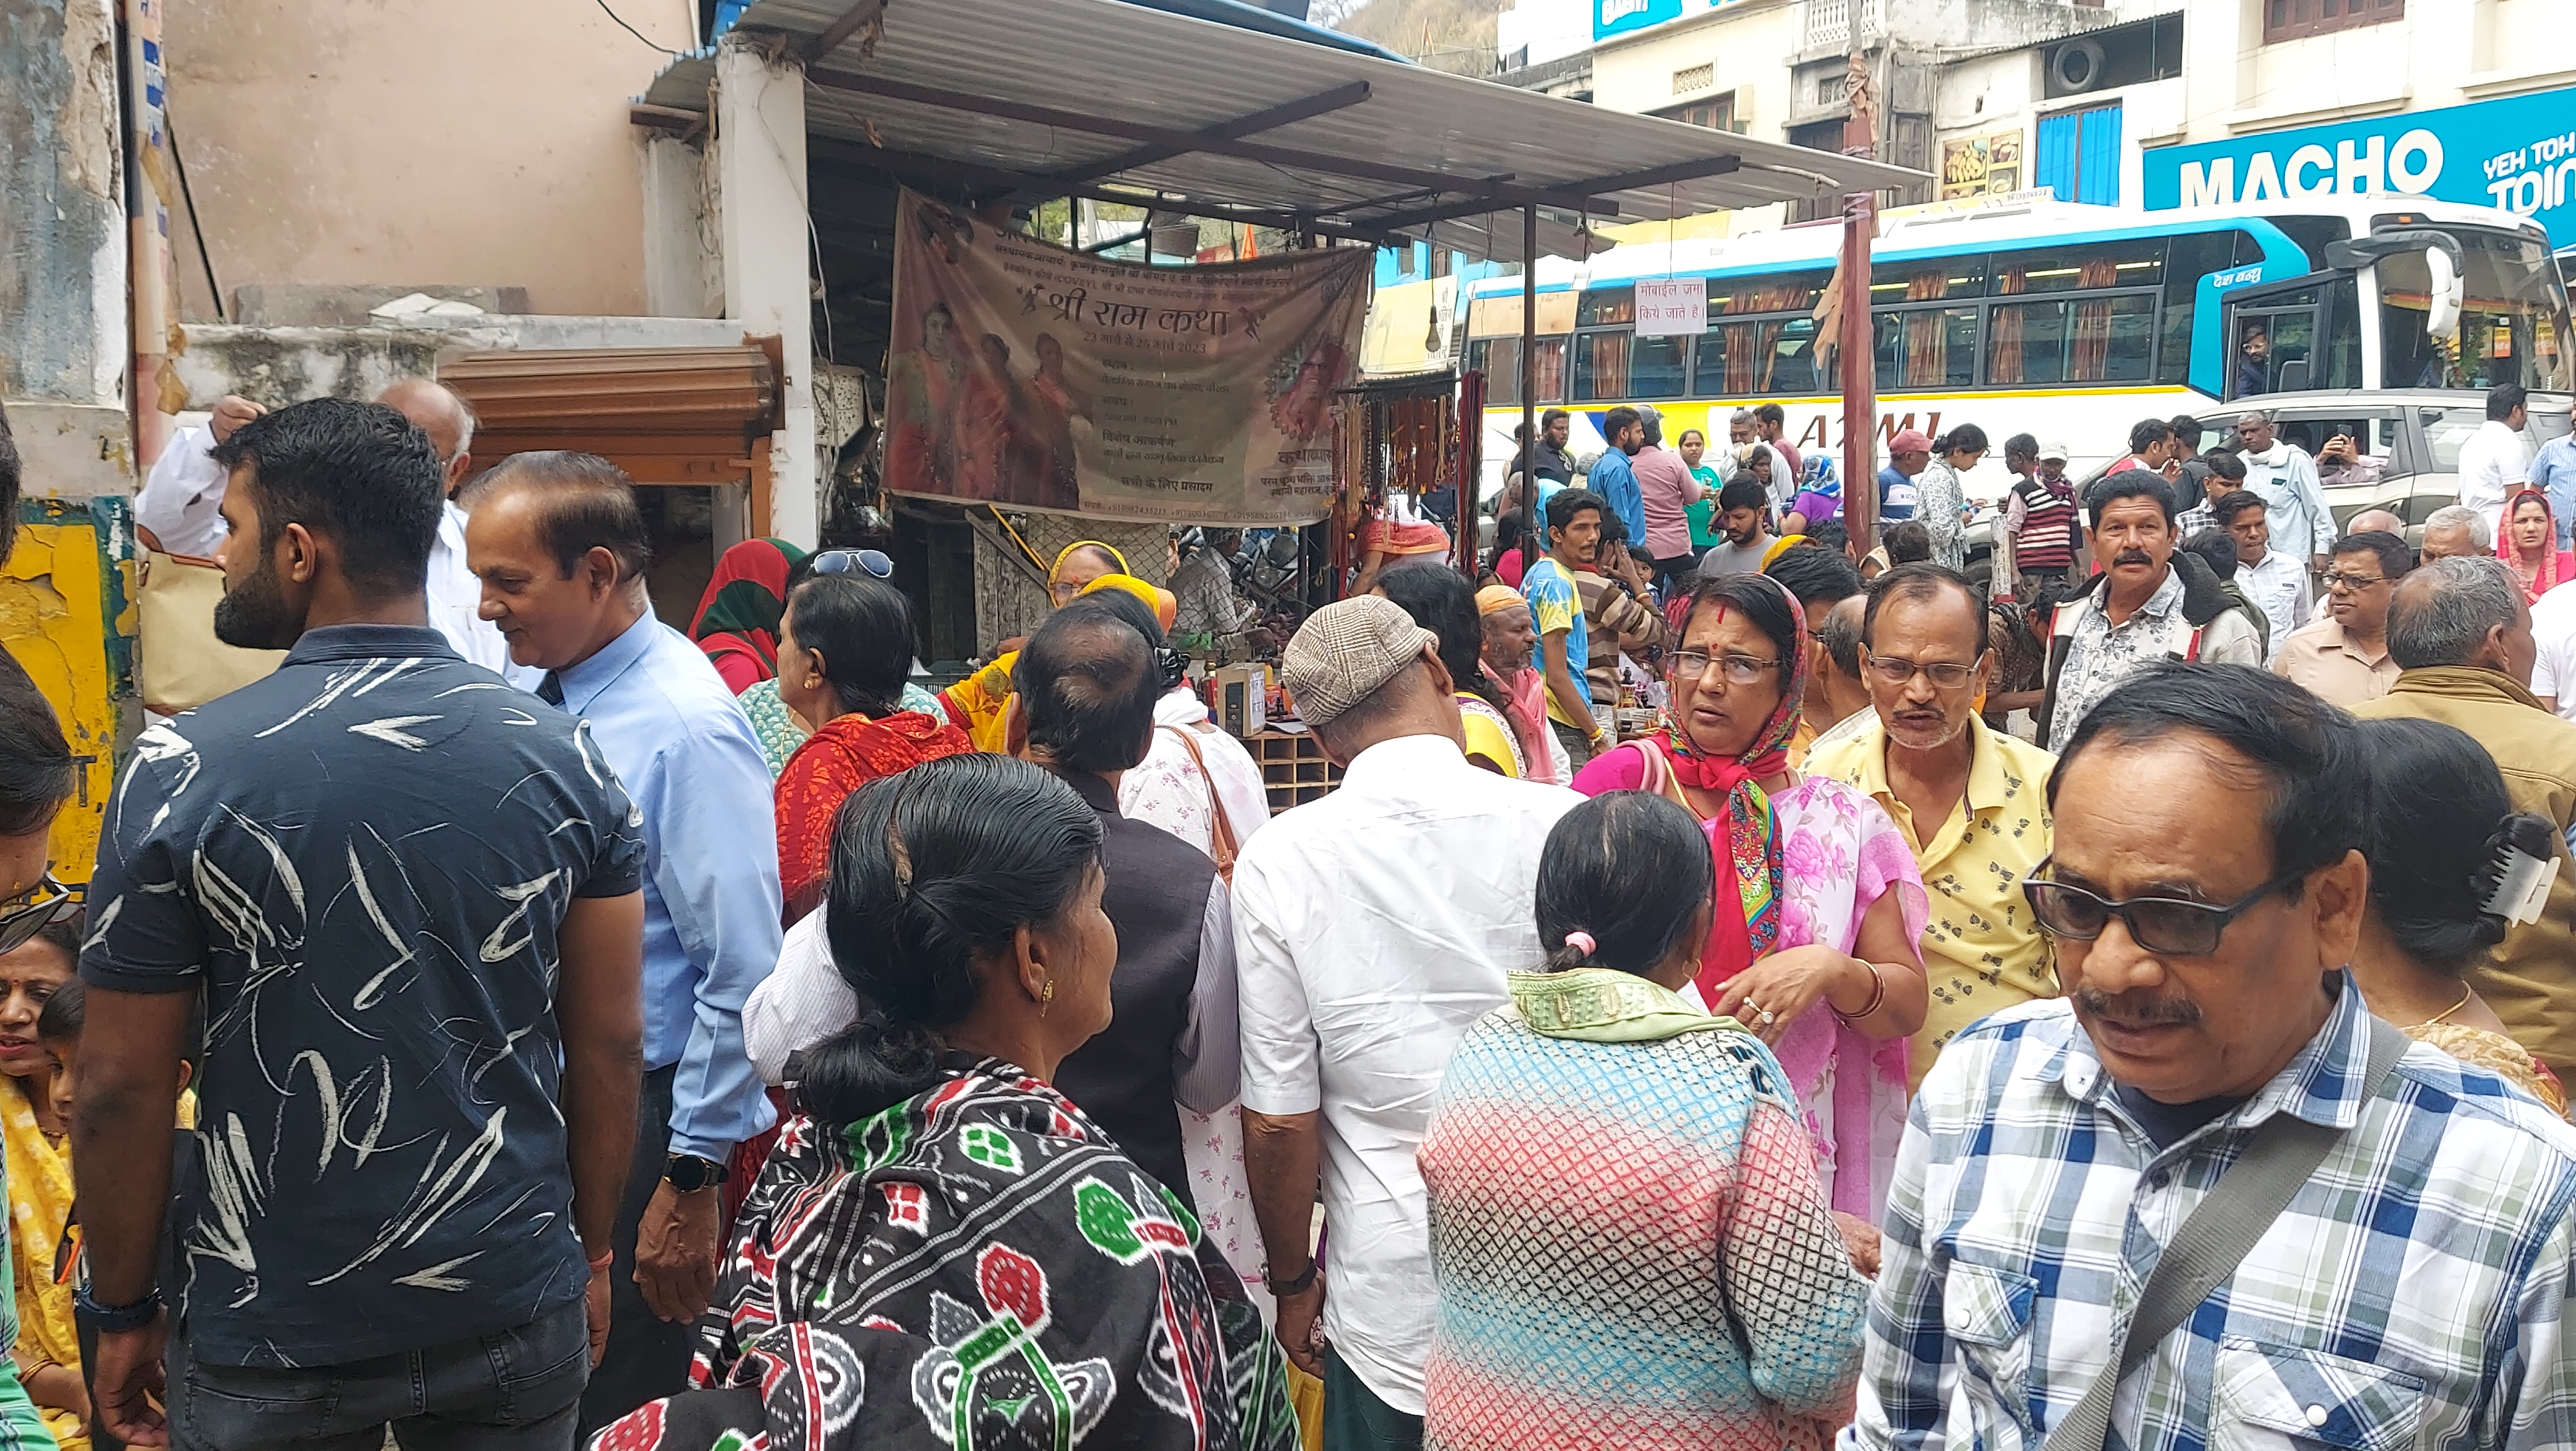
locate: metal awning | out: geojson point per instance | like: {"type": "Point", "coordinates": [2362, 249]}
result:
{"type": "Point", "coordinates": [1125, 103]}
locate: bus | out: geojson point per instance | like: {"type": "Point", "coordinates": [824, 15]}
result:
{"type": "Point", "coordinates": [2063, 320]}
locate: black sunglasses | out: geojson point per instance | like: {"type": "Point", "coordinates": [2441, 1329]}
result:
{"type": "Point", "coordinates": [2170, 925]}
{"type": "Point", "coordinates": [853, 561]}
{"type": "Point", "coordinates": [47, 900]}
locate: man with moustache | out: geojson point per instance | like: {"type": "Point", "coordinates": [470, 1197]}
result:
{"type": "Point", "coordinates": [2150, 603]}
{"type": "Point", "coordinates": [2207, 1199]}
{"type": "Point", "coordinates": [1970, 800]}
{"type": "Point", "coordinates": [1509, 642]}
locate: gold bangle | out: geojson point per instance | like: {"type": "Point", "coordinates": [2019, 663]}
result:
{"type": "Point", "coordinates": [1877, 996]}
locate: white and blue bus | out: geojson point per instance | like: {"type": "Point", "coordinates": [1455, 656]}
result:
{"type": "Point", "coordinates": [2067, 321]}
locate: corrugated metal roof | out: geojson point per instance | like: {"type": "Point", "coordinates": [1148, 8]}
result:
{"type": "Point", "coordinates": [1422, 141]}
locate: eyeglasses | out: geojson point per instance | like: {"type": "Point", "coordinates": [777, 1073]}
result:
{"type": "Point", "coordinates": [1896, 673]}
{"type": "Point", "coordinates": [2172, 926]}
{"type": "Point", "coordinates": [42, 903]}
{"type": "Point", "coordinates": [1736, 669]}
{"type": "Point", "coordinates": [854, 561]}
{"type": "Point", "coordinates": [2354, 582]}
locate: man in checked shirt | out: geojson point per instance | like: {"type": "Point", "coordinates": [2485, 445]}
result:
{"type": "Point", "coordinates": [2205, 892]}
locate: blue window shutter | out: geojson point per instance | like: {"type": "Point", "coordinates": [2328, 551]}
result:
{"type": "Point", "coordinates": [2098, 171]}
{"type": "Point", "coordinates": [2057, 154]}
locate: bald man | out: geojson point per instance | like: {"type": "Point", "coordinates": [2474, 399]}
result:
{"type": "Point", "coordinates": [177, 508]}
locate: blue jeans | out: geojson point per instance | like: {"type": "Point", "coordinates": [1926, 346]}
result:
{"type": "Point", "coordinates": [519, 1390]}
{"type": "Point", "coordinates": [1356, 1420]}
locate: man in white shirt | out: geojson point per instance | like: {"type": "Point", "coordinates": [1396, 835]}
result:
{"type": "Point", "coordinates": [2494, 461]}
{"type": "Point", "coordinates": [1371, 928]}
{"type": "Point", "coordinates": [2553, 670]}
{"type": "Point", "coordinates": [2276, 583]}
{"type": "Point", "coordinates": [2284, 476]}
{"type": "Point", "coordinates": [179, 501]}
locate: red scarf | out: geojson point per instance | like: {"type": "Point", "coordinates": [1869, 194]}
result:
{"type": "Point", "coordinates": [843, 756]}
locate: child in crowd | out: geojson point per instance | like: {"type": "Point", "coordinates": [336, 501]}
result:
{"type": "Point", "coordinates": [58, 1027]}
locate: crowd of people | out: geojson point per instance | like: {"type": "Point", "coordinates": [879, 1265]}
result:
{"type": "Point", "coordinates": [1783, 994]}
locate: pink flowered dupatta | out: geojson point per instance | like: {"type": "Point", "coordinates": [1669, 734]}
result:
{"type": "Point", "coordinates": [1842, 854]}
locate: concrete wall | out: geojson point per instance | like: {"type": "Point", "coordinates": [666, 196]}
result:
{"type": "Point", "coordinates": [1743, 43]}
{"type": "Point", "coordinates": [473, 142]}
{"type": "Point", "coordinates": [2441, 53]}
{"type": "Point", "coordinates": [276, 366]}
{"type": "Point", "coordinates": [62, 233]}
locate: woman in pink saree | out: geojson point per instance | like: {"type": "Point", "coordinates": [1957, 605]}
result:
{"type": "Point", "coordinates": [1820, 961]}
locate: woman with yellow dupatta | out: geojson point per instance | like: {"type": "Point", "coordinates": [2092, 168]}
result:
{"type": "Point", "coordinates": [978, 703]}
{"type": "Point", "coordinates": [40, 1184]}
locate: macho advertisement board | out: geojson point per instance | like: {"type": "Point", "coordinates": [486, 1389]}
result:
{"type": "Point", "coordinates": [1033, 377]}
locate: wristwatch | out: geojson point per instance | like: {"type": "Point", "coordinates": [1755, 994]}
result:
{"type": "Point", "coordinates": [689, 1173]}
{"type": "Point", "coordinates": [118, 1317]}
{"type": "Point", "coordinates": [1297, 1286]}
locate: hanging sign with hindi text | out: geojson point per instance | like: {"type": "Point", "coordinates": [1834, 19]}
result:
{"type": "Point", "coordinates": [1671, 307]}
{"type": "Point", "coordinates": [1033, 377]}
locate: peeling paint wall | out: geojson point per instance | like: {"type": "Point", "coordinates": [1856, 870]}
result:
{"type": "Point", "coordinates": [67, 614]}
{"type": "Point", "coordinates": [62, 215]}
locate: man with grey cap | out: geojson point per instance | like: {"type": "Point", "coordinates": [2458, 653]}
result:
{"type": "Point", "coordinates": [1371, 929]}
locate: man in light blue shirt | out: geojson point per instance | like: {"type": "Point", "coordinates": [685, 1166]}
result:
{"type": "Point", "coordinates": [2553, 470]}
{"type": "Point", "coordinates": [1614, 478]}
{"type": "Point", "coordinates": [561, 547]}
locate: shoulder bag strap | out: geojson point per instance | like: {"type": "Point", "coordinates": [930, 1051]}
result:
{"type": "Point", "coordinates": [2215, 1239]}
{"type": "Point", "coordinates": [1220, 830]}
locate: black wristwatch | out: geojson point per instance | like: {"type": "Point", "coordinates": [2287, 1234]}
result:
{"type": "Point", "coordinates": [688, 1173]}
{"type": "Point", "coordinates": [118, 1317]}
{"type": "Point", "coordinates": [1283, 1288]}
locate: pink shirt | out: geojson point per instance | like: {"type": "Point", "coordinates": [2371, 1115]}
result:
{"type": "Point", "coordinates": [1668, 490]}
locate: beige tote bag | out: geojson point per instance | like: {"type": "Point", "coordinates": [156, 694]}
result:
{"type": "Point", "coordinates": [181, 663]}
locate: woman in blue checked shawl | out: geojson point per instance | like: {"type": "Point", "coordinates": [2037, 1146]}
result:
{"type": "Point", "coordinates": [943, 1252]}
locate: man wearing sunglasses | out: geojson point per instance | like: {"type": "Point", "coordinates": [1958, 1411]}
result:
{"type": "Point", "coordinates": [1969, 799]}
{"type": "Point", "coordinates": [2271, 1216]}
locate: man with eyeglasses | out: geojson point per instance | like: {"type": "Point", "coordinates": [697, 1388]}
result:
{"type": "Point", "coordinates": [1968, 798]}
{"type": "Point", "coordinates": [2344, 657]}
{"type": "Point", "coordinates": [2462, 637]}
{"type": "Point", "coordinates": [2207, 1199]}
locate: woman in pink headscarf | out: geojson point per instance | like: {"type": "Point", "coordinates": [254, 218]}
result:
{"type": "Point", "coordinates": [1820, 958]}
{"type": "Point", "coordinates": [2529, 542]}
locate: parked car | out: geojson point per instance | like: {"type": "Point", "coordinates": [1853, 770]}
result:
{"type": "Point", "coordinates": [2415, 435]}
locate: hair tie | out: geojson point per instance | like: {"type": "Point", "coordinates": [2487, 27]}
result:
{"type": "Point", "coordinates": [1582, 942]}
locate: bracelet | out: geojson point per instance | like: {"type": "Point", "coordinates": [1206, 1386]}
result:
{"type": "Point", "coordinates": [1876, 997]}
{"type": "Point", "coordinates": [603, 1262]}
{"type": "Point", "coordinates": [1297, 1286]}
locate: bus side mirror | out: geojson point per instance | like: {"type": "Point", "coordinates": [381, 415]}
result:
{"type": "Point", "coordinates": [2442, 313]}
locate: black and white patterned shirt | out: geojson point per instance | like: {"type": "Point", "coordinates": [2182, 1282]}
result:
{"type": "Point", "coordinates": [363, 860]}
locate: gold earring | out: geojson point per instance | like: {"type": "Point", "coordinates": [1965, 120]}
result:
{"type": "Point", "coordinates": [1046, 997]}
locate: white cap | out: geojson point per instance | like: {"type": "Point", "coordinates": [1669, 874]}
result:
{"type": "Point", "coordinates": [2056, 451]}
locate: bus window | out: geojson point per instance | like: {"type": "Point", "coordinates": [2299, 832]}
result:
{"type": "Point", "coordinates": [1655, 368]}
{"type": "Point", "coordinates": [2082, 340]}
{"type": "Point", "coordinates": [1601, 367]}
{"type": "Point", "coordinates": [2081, 266]}
{"type": "Point", "coordinates": [1927, 347]}
{"type": "Point", "coordinates": [1608, 307]}
{"type": "Point", "coordinates": [1928, 279]}
{"type": "Point", "coordinates": [1500, 361]}
{"type": "Point", "coordinates": [1742, 359]}
{"type": "Point", "coordinates": [2509, 319]}
{"type": "Point", "coordinates": [2189, 258]}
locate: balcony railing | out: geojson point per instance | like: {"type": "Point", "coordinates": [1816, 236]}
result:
{"type": "Point", "coordinates": [1830, 22]}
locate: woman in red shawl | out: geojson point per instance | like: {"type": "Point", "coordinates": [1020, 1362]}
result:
{"type": "Point", "coordinates": [737, 619]}
{"type": "Point", "coordinates": [846, 650]}
{"type": "Point", "coordinates": [2529, 542]}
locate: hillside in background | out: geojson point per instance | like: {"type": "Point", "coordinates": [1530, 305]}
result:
{"type": "Point", "coordinates": [1449, 35]}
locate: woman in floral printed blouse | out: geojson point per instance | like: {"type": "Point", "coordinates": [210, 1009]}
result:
{"type": "Point", "coordinates": [944, 1253]}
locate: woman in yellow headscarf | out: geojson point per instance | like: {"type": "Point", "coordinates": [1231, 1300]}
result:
{"type": "Point", "coordinates": [978, 704]}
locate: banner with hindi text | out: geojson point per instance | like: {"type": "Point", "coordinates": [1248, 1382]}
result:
{"type": "Point", "coordinates": [1028, 376]}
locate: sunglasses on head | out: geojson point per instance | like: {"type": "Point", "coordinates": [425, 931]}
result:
{"type": "Point", "coordinates": [46, 901]}
{"type": "Point", "coordinates": [872, 562]}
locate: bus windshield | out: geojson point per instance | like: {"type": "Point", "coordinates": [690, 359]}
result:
{"type": "Point", "coordinates": [2513, 319]}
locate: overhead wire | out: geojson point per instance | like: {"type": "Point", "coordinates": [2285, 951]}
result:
{"type": "Point", "coordinates": [631, 30]}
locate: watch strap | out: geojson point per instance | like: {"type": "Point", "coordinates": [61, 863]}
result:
{"type": "Point", "coordinates": [118, 1317]}
{"type": "Point", "coordinates": [1296, 1286]}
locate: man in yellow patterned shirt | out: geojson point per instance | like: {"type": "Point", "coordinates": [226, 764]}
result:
{"type": "Point", "coordinates": [1971, 801]}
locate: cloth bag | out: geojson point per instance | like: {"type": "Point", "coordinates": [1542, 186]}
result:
{"type": "Point", "coordinates": [180, 663]}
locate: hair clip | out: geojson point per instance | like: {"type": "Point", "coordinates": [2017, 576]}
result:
{"type": "Point", "coordinates": [2522, 886]}
{"type": "Point", "coordinates": [1582, 942]}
